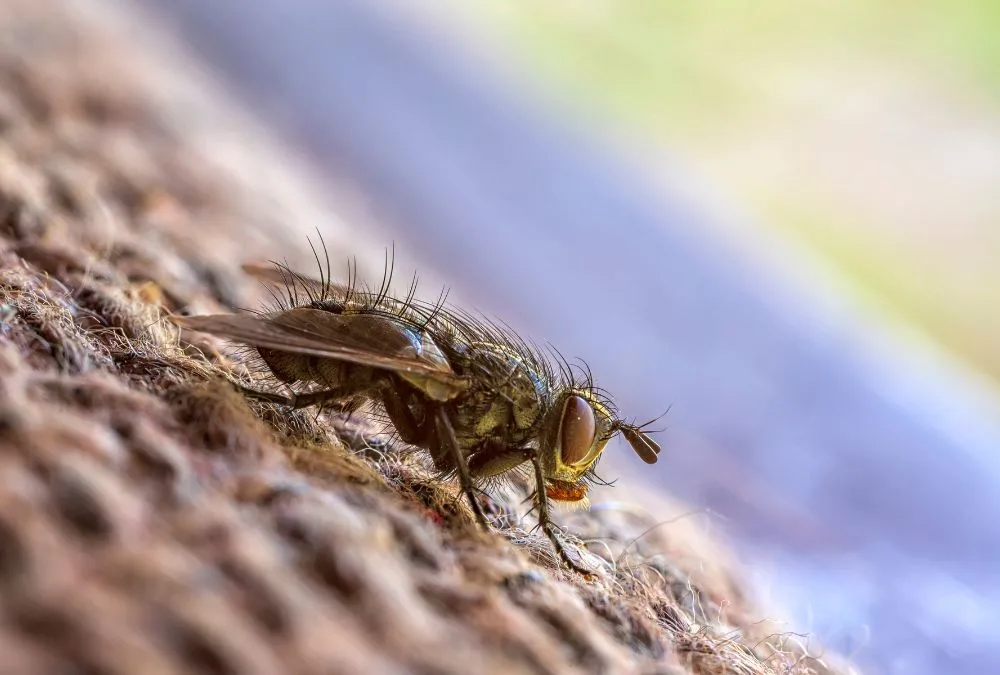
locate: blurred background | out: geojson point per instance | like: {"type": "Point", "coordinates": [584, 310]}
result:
{"type": "Point", "coordinates": [868, 132]}
{"type": "Point", "coordinates": [780, 218]}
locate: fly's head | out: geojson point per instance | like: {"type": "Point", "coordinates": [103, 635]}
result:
{"type": "Point", "coordinates": [576, 430]}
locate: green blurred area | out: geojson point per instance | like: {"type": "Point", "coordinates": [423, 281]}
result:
{"type": "Point", "coordinates": [869, 131]}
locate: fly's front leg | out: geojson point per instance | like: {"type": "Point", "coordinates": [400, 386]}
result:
{"type": "Point", "coordinates": [448, 444]}
{"type": "Point", "coordinates": [545, 520]}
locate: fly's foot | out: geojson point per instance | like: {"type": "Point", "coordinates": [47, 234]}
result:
{"type": "Point", "coordinates": [560, 548]}
{"type": "Point", "coordinates": [267, 396]}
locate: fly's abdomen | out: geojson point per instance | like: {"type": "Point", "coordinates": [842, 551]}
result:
{"type": "Point", "coordinates": [286, 366]}
{"type": "Point", "coordinates": [349, 378]}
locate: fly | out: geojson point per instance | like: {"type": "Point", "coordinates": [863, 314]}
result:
{"type": "Point", "coordinates": [479, 399]}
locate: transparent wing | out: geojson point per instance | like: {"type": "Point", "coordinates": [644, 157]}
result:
{"type": "Point", "coordinates": [365, 339]}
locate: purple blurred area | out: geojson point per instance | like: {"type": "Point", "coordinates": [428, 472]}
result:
{"type": "Point", "coordinates": [858, 477]}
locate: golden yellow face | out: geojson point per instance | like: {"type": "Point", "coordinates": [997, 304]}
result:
{"type": "Point", "coordinates": [579, 429]}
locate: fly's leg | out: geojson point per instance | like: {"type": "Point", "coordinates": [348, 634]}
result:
{"type": "Point", "coordinates": [402, 418]}
{"type": "Point", "coordinates": [545, 520]}
{"type": "Point", "coordinates": [268, 396]}
{"type": "Point", "coordinates": [488, 463]}
{"type": "Point", "coordinates": [449, 444]}
{"type": "Point", "coordinates": [437, 434]}
{"type": "Point", "coordinates": [296, 400]}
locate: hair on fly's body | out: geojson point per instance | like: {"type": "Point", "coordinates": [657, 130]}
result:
{"type": "Point", "coordinates": [482, 401]}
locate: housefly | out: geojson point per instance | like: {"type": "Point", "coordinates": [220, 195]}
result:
{"type": "Point", "coordinates": [482, 401]}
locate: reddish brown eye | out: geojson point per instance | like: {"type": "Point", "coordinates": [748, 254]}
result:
{"type": "Point", "coordinates": [578, 430]}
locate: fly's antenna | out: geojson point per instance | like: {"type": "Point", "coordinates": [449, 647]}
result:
{"type": "Point", "coordinates": [643, 427]}
{"type": "Point", "coordinates": [639, 428]}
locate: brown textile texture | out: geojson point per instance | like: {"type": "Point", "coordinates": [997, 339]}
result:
{"type": "Point", "coordinates": [153, 521]}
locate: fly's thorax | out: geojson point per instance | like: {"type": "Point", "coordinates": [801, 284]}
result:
{"type": "Point", "coordinates": [506, 397]}
{"type": "Point", "coordinates": [576, 430]}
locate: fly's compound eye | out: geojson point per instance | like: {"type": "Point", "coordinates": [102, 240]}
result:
{"type": "Point", "coordinates": [579, 429]}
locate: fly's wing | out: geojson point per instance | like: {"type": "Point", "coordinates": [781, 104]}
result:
{"type": "Point", "coordinates": [279, 275]}
{"type": "Point", "coordinates": [365, 339]}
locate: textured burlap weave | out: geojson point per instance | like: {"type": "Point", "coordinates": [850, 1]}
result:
{"type": "Point", "coordinates": [152, 521]}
